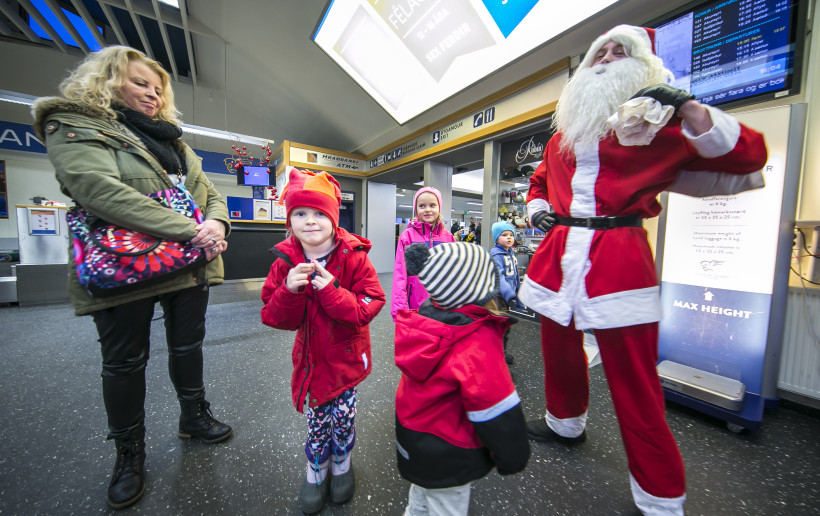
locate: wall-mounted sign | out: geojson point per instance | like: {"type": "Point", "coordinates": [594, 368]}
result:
{"type": "Point", "coordinates": [43, 221]}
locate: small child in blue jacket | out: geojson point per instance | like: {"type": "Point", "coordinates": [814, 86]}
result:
{"type": "Point", "coordinates": [506, 262]}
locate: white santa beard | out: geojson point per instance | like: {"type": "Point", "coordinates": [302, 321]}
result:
{"type": "Point", "coordinates": [593, 94]}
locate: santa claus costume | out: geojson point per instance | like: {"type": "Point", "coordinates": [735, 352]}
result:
{"type": "Point", "coordinates": [595, 270]}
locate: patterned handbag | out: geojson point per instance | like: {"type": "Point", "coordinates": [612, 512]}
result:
{"type": "Point", "coordinates": [113, 260]}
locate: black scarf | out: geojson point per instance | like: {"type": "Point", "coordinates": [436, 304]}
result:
{"type": "Point", "coordinates": [157, 135]}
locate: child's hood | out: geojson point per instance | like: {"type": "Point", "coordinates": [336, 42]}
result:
{"type": "Point", "coordinates": [423, 343]}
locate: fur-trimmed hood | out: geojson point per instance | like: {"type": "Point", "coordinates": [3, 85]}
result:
{"type": "Point", "coordinates": [45, 107]}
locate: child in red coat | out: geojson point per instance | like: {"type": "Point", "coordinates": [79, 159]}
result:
{"type": "Point", "coordinates": [323, 286]}
{"type": "Point", "coordinates": [458, 414]}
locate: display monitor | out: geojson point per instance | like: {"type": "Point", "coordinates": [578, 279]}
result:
{"type": "Point", "coordinates": [734, 52]}
{"type": "Point", "coordinates": [255, 176]}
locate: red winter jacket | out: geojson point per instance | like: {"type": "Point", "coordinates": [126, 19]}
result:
{"type": "Point", "coordinates": [332, 349]}
{"type": "Point", "coordinates": [458, 414]}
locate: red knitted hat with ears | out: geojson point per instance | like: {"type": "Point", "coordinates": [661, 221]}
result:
{"type": "Point", "coordinates": [317, 190]}
{"type": "Point", "coordinates": [639, 41]}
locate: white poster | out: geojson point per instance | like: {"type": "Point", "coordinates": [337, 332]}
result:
{"type": "Point", "coordinates": [730, 241]}
{"type": "Point", "coordinates": [262, 210]}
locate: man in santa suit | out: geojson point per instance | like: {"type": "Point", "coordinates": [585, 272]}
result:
{"type": "Point", "coordinates": [622, 137]}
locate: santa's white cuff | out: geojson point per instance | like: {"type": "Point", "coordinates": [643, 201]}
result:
{"type": "Point", "coordinates": [718, 140]}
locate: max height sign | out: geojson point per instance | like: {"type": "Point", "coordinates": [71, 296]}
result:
{"type": "Point", "coordinates": [718, 275]}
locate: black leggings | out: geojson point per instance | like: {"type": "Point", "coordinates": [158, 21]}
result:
{"type": "Point", "coordinates": [125, 332]}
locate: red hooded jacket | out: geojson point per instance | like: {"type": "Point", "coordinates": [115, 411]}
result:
{"type": "Point", "coordinates": [332, 349]}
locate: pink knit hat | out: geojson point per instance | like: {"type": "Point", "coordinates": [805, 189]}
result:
{"type": "Point", "coordinates": [426, 189]}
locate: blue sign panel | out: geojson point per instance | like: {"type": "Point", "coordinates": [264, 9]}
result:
{"type": "Point", "coordinates": [715, 330]}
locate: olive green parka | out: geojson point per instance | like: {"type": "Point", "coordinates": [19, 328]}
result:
{"type": "Point", "coordinates": [108, 171]}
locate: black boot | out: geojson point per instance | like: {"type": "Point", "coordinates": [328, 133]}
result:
{"type": "Point", "coordinates": [128, 479]}
{"type": "Point", "coordinates": [196, 420]}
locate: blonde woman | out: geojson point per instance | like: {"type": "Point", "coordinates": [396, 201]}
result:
{"type": "Point", "coordinates": [113, 138]}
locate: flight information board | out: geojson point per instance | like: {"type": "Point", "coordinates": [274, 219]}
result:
{"type": "Point", "coordinates": [725, 51]}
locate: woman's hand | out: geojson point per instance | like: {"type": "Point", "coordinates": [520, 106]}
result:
{"type": "Point", "coordinates": [209, 234]}
{"type": "Point", "coordinates": [213, 252]}
{"type": "Point", "coordinates": [299, 276]}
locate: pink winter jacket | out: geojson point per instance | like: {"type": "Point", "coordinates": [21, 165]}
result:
{"type": "Point", "coordinates": [408, 293]}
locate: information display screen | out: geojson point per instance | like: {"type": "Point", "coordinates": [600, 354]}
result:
{"type": "Point", "coordinates": [410, 55]}
{"type": "Point", "coordinates": [254, 176]}
{"type": "Point", "coordinates": [734, 50]}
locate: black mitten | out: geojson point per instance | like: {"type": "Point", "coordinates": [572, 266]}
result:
{"type": "Point", "coordinates": [666, 95]}
{"type": "Point", "coordinates": [543, 220]}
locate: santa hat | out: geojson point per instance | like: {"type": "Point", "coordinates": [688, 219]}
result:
{"type": "Point", "coordinates": [500, 227]}
{"type": "Point", "coordinates": [426, 189]}
{"type": "Point", "coordinates": [639, 42]}
{"type": "Point", "coordinates": [319, 191]}
{"type": "Point", "coordinates": [454, 273]}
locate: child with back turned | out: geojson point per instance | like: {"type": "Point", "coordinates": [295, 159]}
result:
{"type": "Point", "coordinates": [458, 414]}
{"type": "Point", "coordinates": [323, 286]}
{"type": "Point", "coordinates": [428, 227]}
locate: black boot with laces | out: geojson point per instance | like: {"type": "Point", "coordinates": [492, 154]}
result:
{"type": "Point", "coordinates": [197, 421]}
{"type": "Point", "coordinates": [128, 479]}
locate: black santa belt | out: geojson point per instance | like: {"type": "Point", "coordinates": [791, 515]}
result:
{"type": "Point", "coordinates": [628, 221]}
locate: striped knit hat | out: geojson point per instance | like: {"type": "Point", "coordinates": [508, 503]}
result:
{"type": "Point", "coordinates": [455, 273]}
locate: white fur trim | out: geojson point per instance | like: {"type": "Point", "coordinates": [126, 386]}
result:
{"type": "Point", "coordinates": [635, 37]}
{"type": "Point", "coordinates": [536, 205]}
{"type": "Point", "coordinates": [619, 309]}
{"type": "Point", "coordinates": [570, 427]}
{"type": "Point", "coordinates": [653, 505]}
{"type": "Point", "coordinates": [544, 301]}
{"type": "Point", "coordinates": [587, 166]}
{"type": "Point", "coordinates": [718, 140]}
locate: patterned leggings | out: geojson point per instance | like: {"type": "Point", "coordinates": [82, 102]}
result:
{"type": "Point", "coordinates": [331, 423]}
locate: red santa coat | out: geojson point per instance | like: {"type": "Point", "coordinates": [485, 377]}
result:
{"type": "Point", "coordinates": [606, 278]}
{"type": "Point", "coordinates": [332, 348]}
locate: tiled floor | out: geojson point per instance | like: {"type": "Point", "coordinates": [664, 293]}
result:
{"type": "Point", "coordinates": [54, 458]}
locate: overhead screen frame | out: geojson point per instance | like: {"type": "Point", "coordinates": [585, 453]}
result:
{"type": "Point", "coordinates": [505, 36]}
{"type": "Point", "coordinates": [241, 176]}
{"type": "Point", "coordinates": [797, 32]}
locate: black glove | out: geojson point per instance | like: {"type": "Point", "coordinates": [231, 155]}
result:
{"type": "Point", "coordinates": [543, 220]}
{"type": "Point", "coordinates": [666, 95]}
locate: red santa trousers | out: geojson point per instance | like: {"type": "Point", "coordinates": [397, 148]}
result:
{"type": "Point", "coordinates": [629, 356]}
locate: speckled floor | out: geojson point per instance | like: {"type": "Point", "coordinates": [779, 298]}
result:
{"type": "Point", "coordinates": [54, 458]}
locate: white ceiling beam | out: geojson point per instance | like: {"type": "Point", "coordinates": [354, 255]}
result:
{"type": "Point", "coordinates": [146, 45]}
{"type": "Point", "coordinates": [11, 14]}
{"type": "Point", "coordinates": [58, 11]}
{"type": "Point", "coordinates": [34, 13]}
{"type": "Point", "coordinates": [89, 21]}
{"type": "Point", "coordinates": [166, 40]}
{"type": "Point", "coordinates": [189, 43]}
{"type": "Point", "coordinates": [112, 21]}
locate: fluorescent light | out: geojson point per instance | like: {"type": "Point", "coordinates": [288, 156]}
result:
{"type": "Point", "coordinates": [28, 100]}
{"type": "Point", "coordinates": [405, 206]}
{"type": "Point", "coordinates": [172, 3]}
{"type": "Point", "coordinates": [478, 212]}
{"type": "Point", "coordinates": [225, 135]}
{"type": "Point", "coordinates": [17, 98]}
{"type": "Point", "coordinates": [475, 203]}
